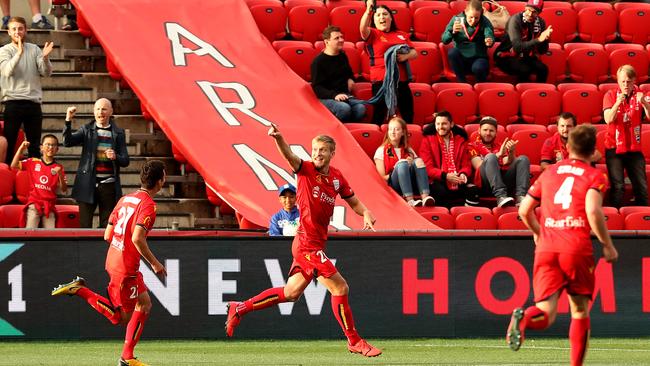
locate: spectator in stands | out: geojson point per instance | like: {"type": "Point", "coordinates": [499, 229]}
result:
{"type": "Point", "coordinates": [380, 37]}
{"type": "Point", "coordinates": [472, 34]}
{"type": "Point", "coordinates": [22, 65]}
{"type": "Point", "coordinates": [4, 147]}
{"type": "Point", "coordinates": [331, 78]}
{"type": "Point", "coordinates": [623, 109]}
{"type": "Point", "coordinates": [285, 222]}
{"type": "Point", "coordinates": [46, 175]}
{"type": "Point", "coordinates": [104, 151]}
{"type": "Point", "coordinates": [497, 169]}
{"type": "Point", "coordinates": [526, 36]}
{"type": "Point", "coordinates": [555, 147]}
{"type": "Point", "coordinates": [447, 161]}
{"type": "Point", "coordinates": [399, 165]}
{"type": "Point", "coordinates": [39, 21]}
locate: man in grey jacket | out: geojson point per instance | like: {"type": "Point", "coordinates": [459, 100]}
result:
{"type": "Point", "coordinates": [22, 65]}
{"type": "Point", "coordinates": [104, 152]}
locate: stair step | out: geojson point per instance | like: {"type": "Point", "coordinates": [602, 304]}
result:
{"type": "Point", "coordinates": [71, 162]}
{"type": "Point", "coordinates": [133, 123]}
{"type": "Point", "coordinates": [99, 81]}
{"type": "Point", "coordinates": [133, 150]}
{"type": "Point", "coordinates": [68, 95]}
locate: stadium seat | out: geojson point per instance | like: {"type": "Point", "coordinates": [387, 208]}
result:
{"type": "Point", "coordinates": [645, 145]}
{"type": "Point", "coordinates": [588, 65]}
{"type": "Point", "coordinates": [476, 221]}
{"type": "Point", "coordinates": [564, 22]}
{"type": "Point", "coordinates": [298, 57]}
{"type": "Point", "coordinates": [369, 139]}
{"type": "Point", "coordinates": [513, 6]}
{"type": "Point", "coordinates": [611, 47]}
{"type": "Point", "coordinates": [424, 103]}
{"type": "Point", "coordinates": [579, 5]}
{"type": "Point", "coordinates": [585, 104]}
{"type": "Point", "coordinates": [429, 22]}
{"type": "Point", "coordinates": [555, 59]}
{"type": "Point", "coordinates": [401, 14]}
{"type": "Point", "coordinates": [634, 221]}
{"type": "Point", "coordinates": [498, 211]}
{"type": "Point", "coordinates": [351, 51]}
{"type": "Point", "coordinates": [271, 20]}
{"type": "Point", "coordinates": [348, 17]}
{"type": "Point", "coordinates": [620, 6]}
{"type": "Point", "coordinates": [460, 103]}
{"type": "Point", "coordinates": [600, 145]}
{"type": "Point", "coordinates": [357, 125]}
{"type": "Point", "coordinates": [613, 219]}
{"type": "Point", "coordinates": [439, 87]}
{"type": "Point", "coordinates": [447, 72]}
{"type": "Point", "coordinates": [7, 183]}
{"type": "Point", "coordinates": [540, 106]}
{"type": "Point", "coordinates": [597, 25]}
{"type": "Point", "coordinates": [414, 133]}
{"type": "Point", "coordinates": [638, 59]}
{"type": "Point", "coordinates": [306, 22]}
{"type": "Point", "coordinates": [290, 4]}
{"type": "Point", "coordinates": [417, 4]}
{"type": "Point", "coordinates": [511, 129]}
{"type": "Point", "coordinates": [510, 221]}
{"type": "Point", "coordinates": [628, 210]}
{"type": "Point", "coordinates": [457, 6]}
{"type": "Point", "coordinates": [555, 5]}
{"type": "Point", "coordinates": [564, 87]}
{"type": "Point", "coordinates": [645, 87]}
{"type": "Point", "coordinates": [604, 87]}
{"type": "Point", "coordinates": [522, 87]}
{"type": "Point", "coordinates": [23, 185]}
{"type": "Point", "coordinates": [535, 171]}
{"type": "Point", "coordinates": [363, 91]}
{"type": "Point", "coordinates": [67, 216]}
{"type": "Point", "coordinates": [457, 210]}
{"type": "Point", "coordinates": [331, 4]}
{"type": "Point", "coordinates": [480, 87]}
{"type": "Point", "coordinates": [495, 73]}
{"type": "Point", "coordinates": [365, 61]}
{"type": "Point", "coordinates": [437, 217]}
{"type": "Point", "coordinates": [633, 25]}
{"type": "Point", "coordinates": [502, 104]}
{"type": "Point", "coordinates": [10, 216]}
{"type": "Point", "coordinates": [427, 67]}
{"type": "Point", "coordinates": [530, 144]}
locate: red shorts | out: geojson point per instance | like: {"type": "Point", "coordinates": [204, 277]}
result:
{"type": "Point", "coordinates": [553, 272]}
{"type": "Point", "coordinates": [123, 290]}
{"type": "Point", "coordinates": [311, 263]}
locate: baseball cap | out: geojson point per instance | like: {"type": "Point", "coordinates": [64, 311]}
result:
{"type": "Point", "coordinates": [488, 120]}
{"type": "Point", "coordinates": [286, 187]}
{"type": "Point", "coordinates": [536, 4]}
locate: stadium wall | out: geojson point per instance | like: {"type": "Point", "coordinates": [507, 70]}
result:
{"type": "Point", "coordinates": [401, 286]}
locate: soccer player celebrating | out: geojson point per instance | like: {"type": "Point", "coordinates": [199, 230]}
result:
{"type": "Point", "coordinates": [318, 185]}
{"type": "Point", "coordinates": [132, 218]}
{"type": "Point", "coordinates": [571, 196]}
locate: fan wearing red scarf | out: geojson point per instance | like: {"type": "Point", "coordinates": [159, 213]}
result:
{"type": "Point", "coordinates": [623, 109]}
{"type": "Point", "coordinates": [446, 158]}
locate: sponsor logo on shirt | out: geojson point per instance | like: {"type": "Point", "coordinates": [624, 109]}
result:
{"type": "Point", "coordinates": [337, 184]}
{"type": "Point", "coordinates": [315, 191]}
{"type": "Point", "coordinates": [567, 222]}
{"type": "Point", "coordinates": [327, 199]}
{"type": "Point", "coordinates": [43, 179]}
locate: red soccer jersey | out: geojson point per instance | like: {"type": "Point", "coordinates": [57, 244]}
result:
{"type": "Point", "coordinates": [44, 179]}
{"type": "Point", "coordinates": [562, 190]}
{"type": "Point", "coordinates": [137, 208]}
{"type": "Point", "coordinates": [554, 149]}
{"type": "Point", "coordinates": [628, 117]}
{"type": "Point", "coordinates": [315, 197]}
{"type": "Point", "coordinates": [377, 44]}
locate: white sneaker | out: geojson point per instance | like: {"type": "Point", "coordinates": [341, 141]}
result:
{"type": "Point", "coordinates": [415, 203]}
{"type": "Point", "coordinates": [505, 201]}
{"type": "Point", "coordinates": [429, 202]}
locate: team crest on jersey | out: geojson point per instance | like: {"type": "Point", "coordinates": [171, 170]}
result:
{"type": "Point", "coordinates": [54, 171]}
{"type": "Point", "coordinates": [337, 184]}
{"type": "Point", "coordinates": [401, 37]}
{"type": "Point", "coordinates": [37, 167]}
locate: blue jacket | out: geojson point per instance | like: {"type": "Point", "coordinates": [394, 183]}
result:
{"type": "Point", "coordinates": [284, 219]}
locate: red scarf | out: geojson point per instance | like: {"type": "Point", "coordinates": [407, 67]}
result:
{"type": "Point", "coordinates": [391, 158]}
{"type": "Point", "coordinates": [448, 163]}
{"type": "Point", "coordinates": [628, 126]}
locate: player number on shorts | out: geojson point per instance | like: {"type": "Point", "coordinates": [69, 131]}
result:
{"type": "Point", "coordinates": [134, 292]}
{"type": "Point", "coordinates": [563, 195]}
{"type": "Point", "coordinates": [323, 257]}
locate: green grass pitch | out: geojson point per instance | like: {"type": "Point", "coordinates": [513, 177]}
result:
{"type": "Point", "coordinates": [540, 351]}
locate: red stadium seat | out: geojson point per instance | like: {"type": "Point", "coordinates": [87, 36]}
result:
{"type": "Point", "coordinates": [7, 182]}
{"type": "Point", "coordinates": [351, 51]}
{"type": "Point", "coordinates": [613, 219]}
{"type": "Point", "coordinates": [417, 4]}
{"type": "Point", "coordinates": [331, 4]}
{"type": "Point", "coordinates": [437, 217]}
{"type": "Point", "coordinates": [636, 221]}
{"type": "Point", "coordinates": [498, 211]}
{"type": "Point", "coordinates": [471, 128]}
{"type": "Point", "coordinates": [369, 139]}
{"type": "Point", "coordinates": [597, 25]}
{"type": "Point", "coordinates": [585, 104]}
{"type": "Point", "coordinates": [638, 59]}
{"type": "Point", "coordinates": [457, 5]}
{"type": "Point", "coordinates": [480, 87]}
{"type": "Point", "coordinates": [645, 145]}
{"type": "Point", "coordinates": [513, 7]}
{"type": "Point", "coordinates": [510, 221]}
{"type": "Point", "coordinates": [564, 22]}
{"type": "Point", "coordinates": [604, 87]}
{"type": "Point", "coordinates": [271, 20]}
{"type": "Point", "coordinates": [611, 47]}
{"type": "Point", "coordinates": [23, 185]}
{"type": "Point", "coordinates": [306, 22]}
{"type": "Point", "coordinates": [522, 87]}
{"type": "Point", "coordinates": [600, 145]}
{"type": "Point", "coordinates": [460, 103]}
{"type": "Point", "coordinates": [633, 25]}
{"type": "Point", "coordinates": [476, 221]}
{"type": "Point", "coordinates": [457, 210]}
{"type": "Point", "coordinates": [10, 216]}
{"type": "Point", "coordinates": [535, 171]}
{"type": "Point", "coordinates": [438, 87]}
{"type": "Point", "coordinates": [555, 59]}
{"type": "Point", "coordinates": [540, 106]}
{"type": "Point", "coordinates": [363, 91]}
{"type": "Point", "coordinates": [588, 65]}
{"type": "Point", "coordinates": [298, 57]}
{"type": "Point", "coordinates": [365, 60]}
{"type": "Point", "coordinates": [511, 129]}
{"type": "Point", "coordinates": [429, 22]}
{"type": "Point", "coordinates": [447, 72]}
{"type": "Point", "coordinates": [357, 125]}
{"type": "Point", "coordinates": [502, 104]}
{"type": "Point", "coordinates": [290, 4]}
{"type": "Point", "coordinates": [620, 6]}
{"type": "Point", "coordinates": [579, 5]}
{"type": "Point", "coordinates": [67, 216]}
{"type": "Point", "coordinates": [495, 73]}
{"type": "Point", "coordinates": [555, 5]}
{"type": "Point", "coordinates": [530, 144]}
{"type": "Point", "coordinates": [414, 133]}
{"type": "Point", "coordinates": [401, 14]}
{"type": "Point", "coordinates": [348, 17]}
{"type": "Point", "coordinates": [427, 67]}
{"type": "Point", "coordinates": [564, 87]}
{"type": "Point", "coordinates": [628, 210]}
{"type": "Point", "coordinates": [645, 87]}
{"type": "Point", "coordinates": [424, 103]}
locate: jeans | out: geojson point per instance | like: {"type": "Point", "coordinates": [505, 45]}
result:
{"type": "Point", "coordinates": [29, 115]}
{"type": "Point", "coordinates": [634, 164]}
{"type": "Point", "coordinates": [498, 181]}
{"type": "Point", "coordinates": [462, 66]}
{"type": "Point", "coordinates": [404, 103]}
{"type": "Point", "coordinates": [523, 68]}
{"type": "Point", "coordinates": [105, 198]}
{"type": "Point", "coordinates": [351, 110]}
{"type": "Point", "coordinates": [404, 176]}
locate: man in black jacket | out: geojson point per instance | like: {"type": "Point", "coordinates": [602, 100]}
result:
{"type": "Point", "coordinates": [104, 152]}
{"type": "Point", "coordinates": [526, 37]}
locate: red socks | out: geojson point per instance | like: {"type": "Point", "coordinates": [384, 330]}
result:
{"type": "Point", "coordinates": [343, 314]}
{"type": "Point", "coordinates": [133, 333]}
{"type": "Point", "coordinates": [101, 304]}
{"type": "Point", "coordinates": [265, 299]}
{"type": "Point", "coordinates": [535, 318]}
{"type": "Point", "coordinates": [579, 337]}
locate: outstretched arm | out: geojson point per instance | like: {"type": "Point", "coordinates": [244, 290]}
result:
{"type": "Point", "coordinates": [360, 209]}
{"type": "Point", "coordinates": [284, 149]}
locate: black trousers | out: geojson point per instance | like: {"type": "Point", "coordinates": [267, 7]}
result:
{"type": "Point", "coordinates": [449, 198]}
{"type": "Point", "coordinates": [634, 164]}
{"type": "Point", "coordinates": [105, 199]}
{"type": "Point", "coordinates": [404, 103]}
{"type": "Point", "coordinates": [29, 115]}
{"type": "Point", "coordinates": [523, 68]}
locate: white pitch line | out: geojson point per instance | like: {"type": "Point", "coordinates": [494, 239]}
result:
{"type": "Point", "coordinates": [529, 347]}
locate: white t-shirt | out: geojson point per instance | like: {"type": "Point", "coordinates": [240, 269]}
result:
{"type": "Point", "coordinates": [379, 153]}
